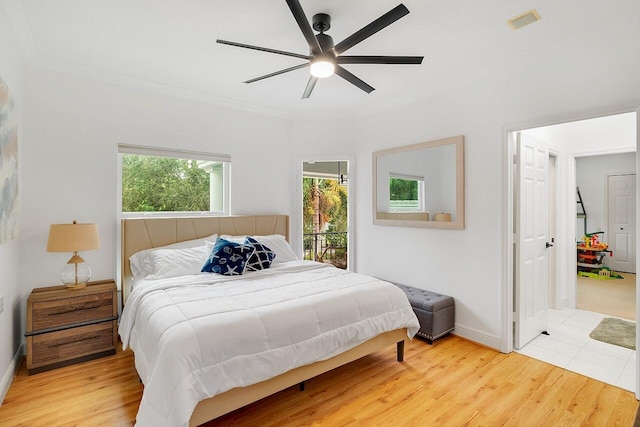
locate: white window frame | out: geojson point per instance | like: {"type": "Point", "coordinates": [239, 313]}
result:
{"type": "Point", "coordinates": [421, 192]}
{"type": "Point", "coordinates": [179, 154]}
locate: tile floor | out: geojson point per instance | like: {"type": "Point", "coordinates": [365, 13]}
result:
{"type": "Point", "coordinates": [568, 345]}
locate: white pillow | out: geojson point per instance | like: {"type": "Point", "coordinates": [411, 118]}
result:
{"type": "Point", "coordinates": [141, 264]}
{"type": "Point", "coordinates": [178, 262]}
{"type": "Point", "coordinates": [276, 242]}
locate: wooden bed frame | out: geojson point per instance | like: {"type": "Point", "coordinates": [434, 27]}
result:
{"type": "Point", "coordinates": [144, 233]}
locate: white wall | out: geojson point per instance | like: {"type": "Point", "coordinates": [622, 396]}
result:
{"type": "Point", "coordinates": [70, 160]}
{"type": "Point", "coordinates": [603, 135]}
{"type": "Point", "coordinates": [11, 71]}
{"type": "Point", "coordinates": [470, 264]}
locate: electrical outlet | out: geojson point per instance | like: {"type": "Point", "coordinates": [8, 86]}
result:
{"type": "Point", "coordinates": [1, 304]}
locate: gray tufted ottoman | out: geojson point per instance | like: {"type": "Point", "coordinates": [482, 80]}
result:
{"type": "Point", "coordinates": [435, 312]}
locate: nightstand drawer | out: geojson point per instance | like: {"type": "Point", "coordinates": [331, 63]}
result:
{"type": "Point", "coordinates": [72, 343]}
{"type": "Point", "coordinates": [69, 326]}
{"type": "Point", "coordinates": [60, 312]}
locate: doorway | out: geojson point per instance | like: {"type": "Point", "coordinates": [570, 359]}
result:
{"type": "Point", "coordinates": [606, 280]}
{"type": "Point", "coordinates": [569, 140]}
{"type": "Point", "coordinates": [325, 212]}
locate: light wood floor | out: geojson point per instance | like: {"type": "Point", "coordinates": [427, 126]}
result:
{"type": "Point", "coordinates": [452, 383]}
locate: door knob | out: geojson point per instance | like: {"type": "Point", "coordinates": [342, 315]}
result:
{"type": "Point", "coordinates": [548, 245]}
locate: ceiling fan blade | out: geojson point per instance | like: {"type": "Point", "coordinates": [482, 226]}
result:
{"type": "Point", "coordinates": [353, 79]}
{"type": "Point", "coordinates": [305, 27]}
{"type": "Point", "coordinates": [286, 70]}
{"type": "Point", "coordinates": [263, 49]}
{"type": "Point", "coordinates": [310, 85]}
{"type": "Point", "coordinates": [372, 59]}
{"type": "Point", "coordinates": [385, 20]}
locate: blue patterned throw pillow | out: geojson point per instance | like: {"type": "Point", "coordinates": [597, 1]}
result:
{"type": "Point", "coordinates": [228, 258]}
{"type": "Point", "coordinates": [261, 258]}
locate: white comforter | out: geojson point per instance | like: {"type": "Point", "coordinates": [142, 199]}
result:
{"type": "Point", "coordinates": [200, 335]}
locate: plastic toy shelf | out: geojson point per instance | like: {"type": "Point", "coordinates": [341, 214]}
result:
{"type": "Point", "coordinates": [591, 258]}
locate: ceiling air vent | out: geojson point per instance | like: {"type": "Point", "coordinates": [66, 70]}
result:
{"type": "Point", "coordinates": [524, 19]}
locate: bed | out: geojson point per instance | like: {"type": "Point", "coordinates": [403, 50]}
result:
{"type": "Point", "coordinates": [207, 344]}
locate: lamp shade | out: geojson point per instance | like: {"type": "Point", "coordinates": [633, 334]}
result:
{"type": "Point", "coordinates": [73, 237]}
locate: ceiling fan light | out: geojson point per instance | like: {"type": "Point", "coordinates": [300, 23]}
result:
{"type": "Point", "coordinates": [322, 68]}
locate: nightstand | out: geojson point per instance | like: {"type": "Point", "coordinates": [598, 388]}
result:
{"type": "Point", "coordinates": [67, 326]}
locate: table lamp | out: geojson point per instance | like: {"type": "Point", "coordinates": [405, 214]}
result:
{"type": "Point", "coordinates": [73, 238]}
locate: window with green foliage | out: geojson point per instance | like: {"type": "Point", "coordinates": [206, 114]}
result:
{"type": "Point", "coordinates": [325, 220]}
{"type": "Point", "coordinates": [325, 205]}
{"type": "Point", "coordinates": [406, 193]}
{"type": "Point", "coordinates": [172, 184]}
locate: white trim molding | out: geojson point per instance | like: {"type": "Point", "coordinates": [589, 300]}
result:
{"type": "Point", "coordinates": [11, 371]}
{"type": "Point", "coordinates": [482, 338]}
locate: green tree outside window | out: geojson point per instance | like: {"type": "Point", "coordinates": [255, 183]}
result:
{"type": "Point", "coordinates": [161, 184]}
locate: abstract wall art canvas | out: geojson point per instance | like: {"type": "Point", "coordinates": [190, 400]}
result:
{"type": "Point", "coordinates": [8, 166]}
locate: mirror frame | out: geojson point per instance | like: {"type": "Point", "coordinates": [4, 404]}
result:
{"type": "Point", "coordinates": [458, 224]}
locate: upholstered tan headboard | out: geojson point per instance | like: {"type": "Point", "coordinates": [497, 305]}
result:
{"type": "Point", "coordinates": [145, 233]}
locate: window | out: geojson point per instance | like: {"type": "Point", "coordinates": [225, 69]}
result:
{"type": "Point", "coordinates": [406, 193]}
{"type": "Point", "coordinates": [161, 181]}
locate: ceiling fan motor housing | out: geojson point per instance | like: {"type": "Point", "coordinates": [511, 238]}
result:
{"type": "Point", "coordinates": [325, 41]}
{"type": "Point", "coordinates": [321, 22]}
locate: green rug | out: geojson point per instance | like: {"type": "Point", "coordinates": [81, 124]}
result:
{"type": "Point", "coordinates": [616, 331]}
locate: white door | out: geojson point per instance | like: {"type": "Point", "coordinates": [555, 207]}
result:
{"type": "Point", "coordinates": [621, 194]}
{"type": "Point", "coordinates": [532, 239]}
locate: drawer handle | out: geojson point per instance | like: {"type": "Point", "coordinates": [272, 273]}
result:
{"type": "Point", "coordinates": [60, 344]}
{"type": "Point", "coordinates": [76, 309]}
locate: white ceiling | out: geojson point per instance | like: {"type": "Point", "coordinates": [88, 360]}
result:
{"type": "Point", "coordinates": [169, 45]}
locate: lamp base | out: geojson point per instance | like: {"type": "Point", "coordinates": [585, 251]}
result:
{"type": "Point", "coordinates": [76, 273]}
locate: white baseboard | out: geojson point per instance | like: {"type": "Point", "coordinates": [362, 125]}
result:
{"type": "Point", "coordinates": [474, 335]}
{"type": "Point", "coordinates": [7, 379]}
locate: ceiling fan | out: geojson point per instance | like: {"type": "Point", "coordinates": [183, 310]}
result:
{"type": "Point", "coordinates": [325, 58]}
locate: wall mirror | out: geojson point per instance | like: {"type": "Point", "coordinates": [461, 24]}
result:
{"type": "Point", "coordinates": [420, 185]}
